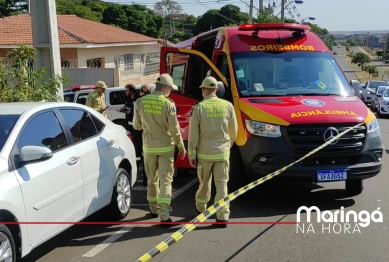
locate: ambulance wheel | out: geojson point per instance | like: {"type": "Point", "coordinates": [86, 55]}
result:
{"type": "Point", "coordinates": [354, 187]}
{"type": "Point", "coordinates": [237, 177]}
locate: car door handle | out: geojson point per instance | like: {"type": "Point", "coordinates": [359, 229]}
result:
{"type": "Point", "coordinates": [110, 142]}
{"type": "Point", "coordinates": [73, 160]}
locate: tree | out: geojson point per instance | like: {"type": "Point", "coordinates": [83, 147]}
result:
{"type": "Point", "coordinates": [360, 58]}
{"type": "Point", "coordinates": [166, 8]}
{"type": "Point", "coordinates": [373, 70]}
{"type": "Point", "coordinates": [384, 73]}
{"type": "Point", "coordinates": [19, 83]}
{"type": "Point", "coordinates": [228, 15]}
{"type": "Point", "coordinates": [11, 7]}
{"type": "Point", "coordinates": [266, 17]}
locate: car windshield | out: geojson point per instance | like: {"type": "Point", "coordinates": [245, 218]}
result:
{"type": "Point", "coordinates": [374, 85]}
{"type": "Point", "coordinates": [7, 123]}
{"type": "Point", "coordinates": [289, 73]}
{"type": "Point", "coordinates": [380, 90]}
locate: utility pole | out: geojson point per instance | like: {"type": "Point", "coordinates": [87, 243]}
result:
{"type": "Point", "coordinates": [251, 11]}
{"type": "Point", "coordinates": [282, 10]}
{"type": "Point", "coordinates": [260, 5]}
{"type": "Point", "coordinates": [46, 39]}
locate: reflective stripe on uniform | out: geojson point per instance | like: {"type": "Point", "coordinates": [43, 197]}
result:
{"type": "Point", "coordinates": [155, 97]}
{"type": "Point", "coordinates": [163, 200]}
{"type": "Point", "coordinates": [202, 201]}
{"type": "Point", "coordinates": [156, 150]}
{"type": "Point", "coordinates": [154, 199]}
{"type": "Point", "coordinates": [224, 156]}
{"type": "Point", "coordinates": [192, 152]}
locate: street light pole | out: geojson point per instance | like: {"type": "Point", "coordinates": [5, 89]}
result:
{"type": "Point", "coordinates": [46, 40]}
{"type": "Point", "coordinates": [282, 10]}
{"type": "Point", "coordinates": [251, 11]}
{"type": "Point", "coordinates": [283, 7]}
{"type": "Point", "coordinates": [310, 18]}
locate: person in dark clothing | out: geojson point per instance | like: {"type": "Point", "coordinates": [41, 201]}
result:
{"type": "Point", "coordinates": [137, 138]}
{"type": "Point", "coordinates": [131, 96]}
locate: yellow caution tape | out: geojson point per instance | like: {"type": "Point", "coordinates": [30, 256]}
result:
{"type": "Point", "coordinates": [212, 209]}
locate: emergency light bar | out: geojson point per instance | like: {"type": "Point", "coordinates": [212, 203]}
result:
{"type": "Point", "coordinates": [278, 26]}
{"type": "Point", "coordinates": [80, 87]}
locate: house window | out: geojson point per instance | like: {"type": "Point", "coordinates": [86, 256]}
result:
{"type": "Point", "coordinates": [94, 63]}
{"type": "Point", "coordinates": [128, 62]}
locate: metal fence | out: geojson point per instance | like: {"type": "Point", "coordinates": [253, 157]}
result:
{"type": "Point", "coordinates": [88, 71]}
{"type": "Point", "coordinates": [135, 65]}
{"type": "Point", "coordinates": [88, 76]}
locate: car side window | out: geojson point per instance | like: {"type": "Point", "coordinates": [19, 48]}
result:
{"type": "Point", "coordinates": [117, 97]}
{"type": "Point", "coordinates": [81, 98]}
{"type": "Point", "coordinates": [178, 72]}
{"type": "Point", "coordinates": [43, 130]}
{"type": "Point", "coordinates": [196, 69]}
{"type": "Point", "coordinates": [81, 123]}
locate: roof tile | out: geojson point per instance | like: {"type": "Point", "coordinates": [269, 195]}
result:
{"type": "Point", "coordinates": [71, 29]}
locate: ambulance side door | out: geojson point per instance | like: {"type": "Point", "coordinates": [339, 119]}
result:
{"type": "Point", "coordinates": [188, 68]}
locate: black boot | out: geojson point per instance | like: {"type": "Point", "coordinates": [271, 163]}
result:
{"type": "Point", "coordinates": [221, 225]}
{"type": "Point", "coordinates": [166, 225]}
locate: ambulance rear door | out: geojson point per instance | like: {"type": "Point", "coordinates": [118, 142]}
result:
{"type": "Point", "coordinates": [188, 68]}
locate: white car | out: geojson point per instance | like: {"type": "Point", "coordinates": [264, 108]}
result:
{"type": "Point", "coordinates": [59, 162]}
{"type": "Point", "coordinates": [115, 98]}
{"type": "Point", "coordinates": [376, 97]}
{"type": "Point", "coordinates": [383, 103]}
{"type": "Point", "coordinates": [371, 87]}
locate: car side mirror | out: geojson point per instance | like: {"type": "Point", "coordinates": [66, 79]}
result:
{"type": "Point", "coordinates": [355, 86]}
{"type": "Point", "coordinates": [364, 87]}
{"type": "Point", "coordinates": [221, 89]}
{"type": "Point", "coordinates": [379, 95]}
{"type": "Point", "coordinates": [34, 153]}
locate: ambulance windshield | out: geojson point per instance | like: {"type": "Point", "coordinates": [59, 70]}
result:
{"type": "Point", "coordinates": [289, 73]}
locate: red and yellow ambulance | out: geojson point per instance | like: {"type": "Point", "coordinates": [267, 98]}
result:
{"type": "Point", "coordinates": [290, 96]}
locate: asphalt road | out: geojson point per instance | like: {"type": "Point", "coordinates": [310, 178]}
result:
{"type": "Point", "coordinates": [357, 49]}
{"type": "Point", "coordinates": [268, 202]}
{"type": "Point", "coordinates": [344, 65]}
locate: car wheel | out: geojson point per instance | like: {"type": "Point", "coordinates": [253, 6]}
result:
{"type": "Point", "coordinates": [354, 187]}
{"type": "Point", "coordinates": [122, 195]}
{"type": "Point", "coordinates": [7, 245]}
{"type": "Point", "coordinates": [237, 177]}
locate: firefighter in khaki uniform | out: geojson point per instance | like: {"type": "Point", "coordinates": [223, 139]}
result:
{"type": "Point", "coordinates": [96, 100]}
{"type": "Point", "coordinates": [212, 132]}
{"type": "Point", "coordinates": [155, 113]}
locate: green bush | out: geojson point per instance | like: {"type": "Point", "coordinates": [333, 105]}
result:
{"type": "Point", "coordinates": [20, 83]}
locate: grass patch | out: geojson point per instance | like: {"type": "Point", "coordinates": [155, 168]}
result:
{"type": "Point", "coordinates": [362, 76]}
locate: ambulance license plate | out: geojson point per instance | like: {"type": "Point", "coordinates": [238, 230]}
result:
{"type": "Point", "coordinates": [331, 175]}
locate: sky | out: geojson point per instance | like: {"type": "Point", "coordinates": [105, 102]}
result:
{"type": "Point", "coordinates": [334, 15]}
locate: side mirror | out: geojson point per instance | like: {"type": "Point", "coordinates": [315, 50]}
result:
{"type": "Point", "coordinates": [33, 153]}
{"type": "Point", "coordinates": [355, 85]}
{"type": "Point", "coordinates": [364, 87]}
{"type": "Point", "coordinates": [221, 89]}
{"type": "Point", "coordinates": [379, 95]}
